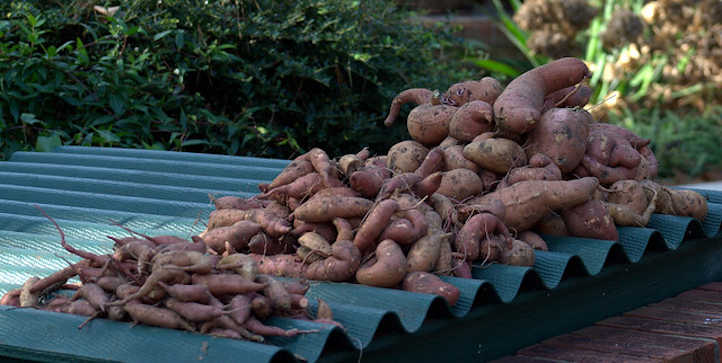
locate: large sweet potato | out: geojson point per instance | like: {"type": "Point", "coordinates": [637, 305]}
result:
{"type": "Point", "coordinates": [561, 135]}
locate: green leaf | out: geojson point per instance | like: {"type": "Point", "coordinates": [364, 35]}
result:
{"type": "Point", "coordinates": [108, 137]}
{"type": "Point", "coordinates": [161, 35]}
{"type": "Point", "coordinates": [192, 142]}
{"type": "Point", "coordinates": [29, 119]}
{"type": "Point", "coordinates": [117, 104]}
{"type": "Point", "coordinates": [496, 67]}
{"type": "Point", "coordinates": [83, 58]}
{"type": "Point", "coordinates": [48, 143]}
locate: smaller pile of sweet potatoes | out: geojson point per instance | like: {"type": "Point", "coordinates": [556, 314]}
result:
{"type": "Point", "coordinates": [170, 282]}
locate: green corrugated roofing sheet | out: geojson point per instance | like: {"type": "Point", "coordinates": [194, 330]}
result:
{"type": "Point", "coordinates": [84, 188]}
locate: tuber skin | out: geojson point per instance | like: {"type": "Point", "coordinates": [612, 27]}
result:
{"type": "Point", "coordinates": [327, 208]}
{"type": "Point", "coordinates": [290, 173]}
{"type": "Point", "coordinates": [238, 235]}
{"type": "Point", "coordinates": [227, 284]}
{"type": "Point", "coordinates": [433, 162]}
{"type": "Point", "coordinates": [540, 167]}
{"type": "Point", "coordinates": [562, 136]}
{"type": "Point", "coordinates": [590, 220]}
{"type": "Point", "coordinates": [427, 283]}
{"type": "Point", "coordinates": [470, 120]}
{"type": "Point", "coordinates": [155, 316]}
{"type": "Point", "coordinates": [518, 108]}
{"type": "Point", "coordinates": [519, 254]}
{"type": "Point", "coordinates": [272, 224]}
{"type": "Point", "coordinates": [406, 156]}
{"type": "Point", "coordinates": [533, 240]}
{"type": "Point", "coordinates": [496, 154]}
{"type": "Point", "coordinates": [232, 202]}
{"type": "Point", "coordinates": [429, 123]}
{"type": "Point", "coordinates": [573, 96]}
{"type": "Point", "coordinates": [417, 96]}
{"type": "Point", "coordinates": [478, 228]}
{"type": "Point", "coordinates": [374, 225]}
{"type": "Point", "coordinates": [386, 269]}
{"type": "Point", "coordinates": [460, 184]}
{"type": "Point", "coordinates": [487, 90]}
{"type": "Point", "coordinates": [340, 266]}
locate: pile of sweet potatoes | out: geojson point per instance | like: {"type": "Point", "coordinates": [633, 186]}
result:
{"type": "Point", "coordinates": [170, 282]}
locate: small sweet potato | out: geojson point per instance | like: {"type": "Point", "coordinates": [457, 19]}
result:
{"type": "Point", "coordinates": [540, 167]}
{"type": "Point", "coordinates": [406, 156]}
{"type": "Point", "coordinates": [454, 159]}
{"type": "Point", "coordinates": [11, 298]}
{"type": "Point", "coordinates": [446, 209]}
{"type": "Point", "coordinates": [533, 240]}
{"type": "Point", "coordinates": [327, 208]}
{"type": "Point", "coordinates": [189, 293]}
{"type": "Point", "coordinates": [572, 96]}
{"type": "Point", "coordinates": [459, 184]}
{"type": "Point", "coordinates": [425, 252]}
{"type": "Point", "coordinates": [151, 315]}
{"type": "Point", "coordinates": [487, 89]}
{"type": "Point", "coordinates": [426, 283]}
{"type": "Point", "coordinates": [94, 294]}
{"type": "Point", "coordinates": [226, 284]}
{"type": "Point", "coordinates": [240, 308]}
{"type": "Point", "coordinates": [429, 123]}
{"type": "Point", "coordinates": [496, 154]}
{"type": "Point", "coordinates": [386, 269]}
{"type": "Point", "coordinates": [433, 162]}
{"type": "Point", "coordinates": [233, 202]}
{"type": "Point", "coordinates": [400, 182]}
{"type": "Point", "coordinates": [470, 120]}
{"type": "Point", "coordinates": [279, 265]}
{"type": "Point", "coordinates": [290, 173]}
{"type": "Point", "coordinates": [28, 298]}
{"type": "Point", "coordinates": [266, 245]}
{"type": "Point", "coordinates": [520, 254]}
{"type": "Point", "coordinates": [590, 220]}
{"type": "Point", "coordinates": [478, 228]}
{"type": "Point", "coordinates": [193, 311]}
{"type": "Point", "coordinates": [552, 224]}
{"type": "Point", "coordinates": [368, 181]}
{"type": "Point", "coordinates": [300, 188]}
{"type": "Point", "coordinates": [272, 224]}
{"type": "Point", "coordinates": [244, 265]}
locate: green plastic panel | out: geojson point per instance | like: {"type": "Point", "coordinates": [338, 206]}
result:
{"type": "Point", "coordinates": [160, 192]}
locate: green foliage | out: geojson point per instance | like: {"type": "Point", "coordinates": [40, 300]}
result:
{"type": "Point", "coordinates": [682, 143]}
{"type": "Point", "coordinates": [267, 78]}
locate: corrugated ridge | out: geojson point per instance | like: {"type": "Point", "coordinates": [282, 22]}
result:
{"type": "Point", "coordinates": [361, 309]}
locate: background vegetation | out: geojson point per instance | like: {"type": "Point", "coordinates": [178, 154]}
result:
{"type": "Point", "coordinates": [263, 77]}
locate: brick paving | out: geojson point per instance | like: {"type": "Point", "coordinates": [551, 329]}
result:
{"type": "Point", "coordinates": [684, 328]}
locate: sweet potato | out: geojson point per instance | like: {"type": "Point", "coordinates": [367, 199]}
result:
{"type": "Point", "coordinates": [226, 284]}
{"type": "Point", "coordinates": [400, 182]}
{"type": "Point", "coordinates": [151, 315]}
{"type": "Point", "coordinates": [28, 298]}
{"type": "Point", "coordinates": [552, 224]}
{"type": "Point", "coordinates": [94, 294]}
{"type": "Point", "coordinates": [429, 123]}
{"type": "Point", "coordinates": [82, 307]}
{"type": "Point", "coordinates": [590, 220]}
{"type": "Point", "coordinates": [496, 154]}
{"type": "Point", "coordinates": [680, 202]}
{"type": "Point", "coordinates": [407, 229]}
{"type": "Point", "coordinates": [240, 308]}
{"type": "Point", "coordinates": [410, 201]}
{"type": "Point", "coordinates": [520, 254]}
{"type": "Point", "coordinates": [417, 96]}
{"type": "Point", "coordinates": [446, 208]}
{"type": "Point", "coordinates": [448, 141]}
{"type": "Point", "coordinates": [434, 220]}
{"type": "Point", "coordinates": [459, 184]}
{"type": "Point", "coordinates": [187, 293]}
{"type": "Point", "coordinates": [561, 135]}
{"type": "Point", "coordinates": [444, 265]}
{"type": "Point", "coordinates": [58, 278]}
{"type": "Point", "coordinates": [340, 266]}
{"type": "Point", "coordinates": [573, 96]}
{"type": "Point", "coordinates": [487, 89]}
{"type": "Point", "coordinates": [470, 120]}
{"type": "Point", "coordinates": [280, 265]}
{"type": "Point", "coordinates": [273, 225]}
{"type": "Point", "coordinates": [478, 228]}
{"type": "Point", "coordinates": [185, 260]}
{"type": "Point", "coordinates": [276, 293]}
{"type": "Point", "coordinates": [533, 240]}
{"type": "Point", "coordinates": [244, 265]}
{"type": "Point", "coordinates": [425, 252]}
{"type": "Point", "coordinates": [349, 163]}
{"type": "Point", "coordinates": [524, 204]}
{"type": "Point", "coordinates": [300, 188]}
{"type": "Point", "coordinates": [374, 224]}
{"type": "Point", "coordinates": [336, 192]}
{"type": "Point", "coordinates": [233, 202]}
{"type": "Point", "coordinates": [321, 164]}
{"type": "Point", "coordinates": [327, 208]}
{"type": "Point", "coordinates": [386, 269]}
{"type": "Point", "coordinates": [519, 106]}
{"type": "Point", "coordinates": [614, 153]}
{"type": "Point", "coordinates": [540, 167]}
{"type": "Point", "coordinates": [429, 185]}
{"type": "Point", "coordinates": [265, 245]}
{"type": "Point", "coordinates": [406, 156]}
{"type": "Point", "coordinates": [344, 230]}
{"type": "Point", "coordinates": [367, 181]}
{"type": "Point", "coordinates": [454, 159]}
{"type": "Point", "coordinates": [433, 162]}
{"type": "Point", "coordinates": [238, 235]}
{"type": "Point", "coordinates": [11, 298]}
{"type": "Point", "coordinates": [426, 283]}
{"type": "Point", "coordinates": [290, 173]}
{"type": "Point", "coordinates": [193, 311]}
{"type": "Point", "coordinates": [168, 275]}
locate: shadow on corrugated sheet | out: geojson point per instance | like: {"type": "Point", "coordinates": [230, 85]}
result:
{"type": "Point", "coordinates": [166, 192]}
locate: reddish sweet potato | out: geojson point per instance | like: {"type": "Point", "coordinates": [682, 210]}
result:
{"type": "Point", "coordinates": [280, 265]}
{"type": "Point", "coordinates": [573, 96]}
{"type": "Point", "coordinates": [367, 181]}
{"type": "Point", "coordinates": [487, 89]}
{"type": "Point", "coordinates": [552, 224]}
{"type": "Point", "coordinates": [540, 167]}
{"type": "Point", "coordinates": [11, 298]}
{"type": "Point", "coordinates": [290, 173]}
{"type": "Point", "coordinates": [273, 225]}
{"type": "Point", "coordinates": [533, 240]}
{"type": "Point", "coordinates": [237, 235]}
{"type": "Point", "coordinates": [242, 264]}
{"type": "Point", "coordinates": [327, 208]}
{"type": "Point", "coordinates": [424, 254]}
{"type": "Point", "coordinates": [470, 120]}
{"type": "Point", "coordinates": [240, 308]}
{"type": "Point", "coordinates": [590, 220]}
{"type": "Point", "coordinates": [375, 223]}
{"type": "Point", "coordinates": [454, 159]}
{"type": "Point", "coordinates": [151, 315]}
{"type": "Point", "coordinates": [300, 188]}
{"type": "Point", "coordinates": [433, 162]}
{"type": "Point", "coordinates": [340, 266]}
{"type": "Point", "coordinates": [524, 204]}
{"type": "Point", "coordinates": [94, 294]}
{"type": "Point", "coordinates": [478, 228]}
{"type": "Point", "coordinates": [232, 202]}
{"type": "Point", "coordinates": [561, 135]}
{"type": "Point", "coordinates": [429, 123]}
{"type": "Point", "coordinates": [188, 293]}
{"type": "Point", "coordinates": [426, 283]}
{"type": "Point", "coordinates": [406, 230]}
{"type": "Point", "coordinates": [386, 269]}
{"type": "Point", "coordinates": [400, 182]}
{"type": "Point", "coordinates": [226, 284]}
{"type": "Point", "coordinates": [519, 106]}
{"type": "Point", "coordinates": [27, 297]}
{"type": "Point", "coordinates": [417, 96]}
{"type": "Point", "coordinates": [520, 254]}
{"type": "Point", "coordinates": [193, 311]}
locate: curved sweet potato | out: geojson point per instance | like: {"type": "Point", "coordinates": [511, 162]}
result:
{"type": "Point", "coordinates": [540, 167]}
{"type": "Point", "coordinates": [279, 265]}
{"type": "Point", "coordinates": [300, 188]}
{"type": "Point", "coordinates": [433, 162]}
{"type": "Point", "coordinates": [573, 96]}
{"type": "Point", "coordinates": [237, 235]}
{"type": "Point", "coordinates": [454, 159]}
{"type": "Point", "coordinates": [459, 184]}
{"type": "Point", "coordinates": [343, 263]}
{"type": "Point", "coordinates": [552, 224]}
{"type": "Point", "coordinates": [426, 283]}
{"type": "Point", "coordinates": [386, 269]}
{"type": "Point", "coordinates": [520, 254]}
{"type": "Point", "coordinates": [232, 202]}
{"type": "Point", "coordinates": [407, 230]}
{"type": "Point", "coordinates": [413, 95]}
{"type": "Point", "coordinates": [533, 240]}
{"type": "Point", "coordinates": [519, 106]}
{"type": "Point", "coordinates": [374, 224]}
{"type": "Point", "coordinates": [272, 224]}
{"type": "Point", "coordinates": [477, 228]}
{"type": "Point", "coordinates": [424, 254]}
{"type": "Point", "coordinates": [524, 204]}
{"type": "Point", "coordinates": [367, 181]}
{"type": "Point", "coordinates": [290, 173]}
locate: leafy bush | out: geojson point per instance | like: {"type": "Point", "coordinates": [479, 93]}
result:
{"type": "Point", "coordinates": [267, 78]}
